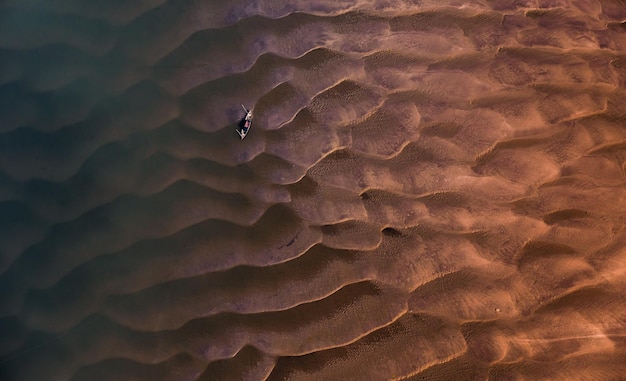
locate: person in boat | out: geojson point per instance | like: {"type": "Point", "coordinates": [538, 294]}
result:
{"type": "Point", "coordinates": [247, 123]}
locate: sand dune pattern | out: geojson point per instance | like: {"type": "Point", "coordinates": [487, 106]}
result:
{"type": "Point", "coordinates": [432, 190]}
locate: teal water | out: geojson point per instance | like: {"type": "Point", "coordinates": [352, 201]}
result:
{"type": "Point", "coordinates": [430, 190]}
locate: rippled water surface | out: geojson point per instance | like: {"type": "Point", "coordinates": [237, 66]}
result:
{"type": "Point", "coordinates": [431, 190]}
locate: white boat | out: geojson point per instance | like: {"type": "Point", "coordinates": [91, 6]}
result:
{"type": "Point", "coordinates": [245, 124]}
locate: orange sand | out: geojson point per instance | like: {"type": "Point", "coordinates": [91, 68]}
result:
{"type": "Point", "coordinates": [431, 190]}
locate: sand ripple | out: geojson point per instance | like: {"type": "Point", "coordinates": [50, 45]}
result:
{"type": "Point", "coordinates": [431, 190]}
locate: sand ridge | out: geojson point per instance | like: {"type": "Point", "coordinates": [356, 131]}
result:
{"type": "Point", "coordinates": [431, 190]}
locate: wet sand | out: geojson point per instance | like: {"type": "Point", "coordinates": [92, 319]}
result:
{"type": "Point", "coordinates": [431, 190]}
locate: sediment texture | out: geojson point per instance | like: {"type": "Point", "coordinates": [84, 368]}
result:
{"type": "Point", "coordinates": [431, 190]}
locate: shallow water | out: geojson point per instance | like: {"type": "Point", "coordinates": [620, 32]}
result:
{"type": "Point", "coordinates": [430, 190]}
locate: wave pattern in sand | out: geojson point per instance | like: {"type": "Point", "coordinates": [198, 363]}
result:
{"type": "Point", "coordinates": [432, 190]}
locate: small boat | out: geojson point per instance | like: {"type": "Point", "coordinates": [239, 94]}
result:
{"type": "Point", "coordinates": [244, 125]}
